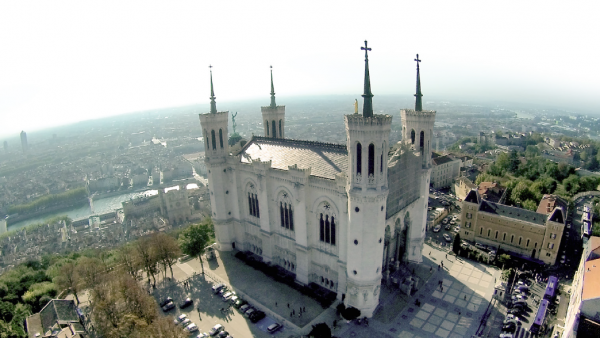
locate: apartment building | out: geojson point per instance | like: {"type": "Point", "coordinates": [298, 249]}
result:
{"type": "Point", "coordinates": [522, 233]}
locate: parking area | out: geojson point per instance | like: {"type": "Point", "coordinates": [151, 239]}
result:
{"type": "Point", "coordinates": [210, 308]}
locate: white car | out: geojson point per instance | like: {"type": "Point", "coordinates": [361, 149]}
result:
{"type": "Point", "coordinates": [437, 228]}
{"type": "Point", "coordinates": [505, 335]}
{"type": "Point", "coordinates": [180, 319]}
{"type": "Point", "coordinates": [203, 335]}
{"type": "Point", "coordinates": [192, 327]}
{"type": "Point", "coordinates": [216, 329]}
{"type": "Point", "coordinates": [186, 322]}
{"type": "Point", "coordinates": [511, 316]}
{"type": "Point", "coordinates": [228, 296]}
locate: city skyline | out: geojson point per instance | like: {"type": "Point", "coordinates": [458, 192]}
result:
{"type": "Point", "coordinates": [124, 58]}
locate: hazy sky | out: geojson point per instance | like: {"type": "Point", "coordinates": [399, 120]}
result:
{"type": "Point", "coordinates": [66, 61]}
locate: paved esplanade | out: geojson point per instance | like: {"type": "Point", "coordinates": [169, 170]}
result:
{"type": "Point", "coordinates": [453, 309]}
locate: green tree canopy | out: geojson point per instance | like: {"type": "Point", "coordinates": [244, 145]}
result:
{"type": "Point", "coordinates": [194, 240]}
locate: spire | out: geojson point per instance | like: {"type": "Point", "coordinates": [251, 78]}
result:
{"type": "Point", "coordinates": [213, 104]}
{"type": "Point", "coordinates": [368, 97]}
{"type": "Point", "coordinates": [273, 105]}
{"type": "Point", "coordinates": [418, 95]}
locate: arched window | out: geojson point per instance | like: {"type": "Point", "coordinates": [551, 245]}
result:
{"type": "Point", "coordinates": [267, 124]}
{"type": "Point", "coordinates": [512, 238]}
{"type": "Point", "coordinates": [287, 216]}
{"type": "Point", "coordinates": [274, 128]}
{"type": "Point", "coordinates": [213, 139]}
{"type": "Point", "coordinates": [206, 145]}
{"type": "Point", "coordinates": [480, 231]}
{"type": "Point", "coordinates": [489, 232]}
{"type": "Point", "coordinates": [412, 136]}
{"type": "Point", "coordinates": [358, 158]}
{"type": "Point", "coordinates": [253, 204]}
{"type": "Point", "coordinates": [280, 135]}
{"type": "Point", "coordinates": [332, 230]}
{"type": "Point", "coordinates": [527, 244]}
{"type": "Point", "coordinates": [322, 229]}
{"type": "Point", "coordinates": [520, 239]}
{"type": "Point", "coordinates": [291, 218]}
{"type": "Point", "coordinates": [496, 235]}
{"type": "Point", "coordinates": [221, 137]}
{"type": "Point", "coordinates": [381, 162]}
{"type": "Point", "coordinates": [257, 208]}
{"type": "Point", "coordinates": [281, 214]}
{"type": "Point", "coordinates": [371, 159]}
{"type": "Point", "coordinates": [422, 139]}
{"type": "Point", "coordinates": [327, 230]}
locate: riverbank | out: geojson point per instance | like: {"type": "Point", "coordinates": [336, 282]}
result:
{"type": "Point", "coordinates": [48, 211]}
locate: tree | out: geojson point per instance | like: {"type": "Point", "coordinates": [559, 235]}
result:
{"type": "Point", "coordinates": [530, 205]}
{"type": "Point", "coordinates": [130, 260]}
{"type": "Point", "coordinates": [68, 278]}
{"type": "Point", "coordinates": [194, 240]}
{"type": "Point", "coordinates": [320, 330]}
{"type": "Point", "coordinates": [167, 250]}
{"type": "Point", "coordinates": [456, 244]}
{"type": "Point", "coordinates": [91, 271]}
{"type": "Point", "coordinates": [148, 257]}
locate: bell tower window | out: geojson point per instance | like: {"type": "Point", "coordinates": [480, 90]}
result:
{"type": "Point", "coordinates": [221, 137]}
{"type": "Point", "coordinates": [412, 136]}
{"type": "Point", "coordinates": [280, 135]}
{"type": "Point", "coordinates": [267, 124]}
{"type": "Point", "coordinates": [274, 128]}
{"type": "Point", "coordinates": [371, 159]}
{"type": "Point", "coordinates": [213, 139]}
{"type": "Point", "coordinates": [358, 158]}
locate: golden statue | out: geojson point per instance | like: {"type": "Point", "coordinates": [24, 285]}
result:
{"type": "Point", "coordinates": [355, 106]}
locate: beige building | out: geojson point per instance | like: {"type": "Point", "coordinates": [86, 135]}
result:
{"type": "Point", "coordinates": [444, 170]}
{"type": "Point", "coordinates": [523, 233]}
{"type": "Point", "coordinates": [462, 186]}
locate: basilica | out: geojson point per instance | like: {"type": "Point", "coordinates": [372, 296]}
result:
{"type": "Point", "coordinates": [338, 215]}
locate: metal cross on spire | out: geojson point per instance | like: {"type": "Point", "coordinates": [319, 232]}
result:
{"type": "Point", "coordinates": [213, 104]}
{"type": "Point", "coordinates": [368, 96]}
{"type": "Point", "coordinates": [366, 49]}
{"type": "Point", "coordinates": [418, 95]}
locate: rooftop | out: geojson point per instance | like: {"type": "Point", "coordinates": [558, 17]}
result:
{"type": "Point", "coordinates": [513, 212]}
{"type": "Point", "coordinates": [549, 202]}
{"type": "Point", "coordinates": [325, 159]}
{"type": "Point", "coordinates": [441, 159]}
{"type": "Point", "coordinates": [591, 280]}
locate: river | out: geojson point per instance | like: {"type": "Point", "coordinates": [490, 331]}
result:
{"type": "Point", "coordinates": [101, 206]}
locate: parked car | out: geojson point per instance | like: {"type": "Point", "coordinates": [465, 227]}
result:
{"type": "Point", "coordinates": [223, 334]}
{"type": "Point", "coordinates": [216, 329]}
{"type": "Point", "coordinates": [202, 335]}
{"type": "Point", "coordinates": [452, 222]}
{"type": "Point", "coordinates": [447, 238]}
{"type": "Point", "coordinates": [192, 327]}
{"type": "Point", "coordinates": [557, 300]}
{"type": "Point", "coordinates": [447, 227]}
{"type": "Point", "coordinates": [180, 319]}
{"type": "Point", "coordinates": [217, 288]}
{"type": "Point", "coordinates": [511, 317]}
{"type": "Point", "coordinates": [185, 303]}
{"type": "Point", "coordinates": [227, 296]}
{"type": "Point", "coordinates": [505, 335]}
{"type": "Point", "coordinates": [510, 327]}
{"type": "Point", "coordinates": [480, 246]}
{"type": "Point", "coordinates": [169, 306]}
{"type": "Point", "coordinates": [244, 308]}
{"type": "Point", "coordinates": [186, 322]}
{"type": "Point", "coordinates": [166, 301]}
{"type": "Point", "coordinates": [257, 316]}
{"type": "Point", "coordinates": [273, 327]}
{"type": "Point", "coordinates": [249, 312]}
{"type": "Point", "coordinates": [437, 228]}
{"type": "Point", "coordinates": [239, 302]}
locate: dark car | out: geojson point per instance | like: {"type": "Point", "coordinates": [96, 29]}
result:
{"type": "Point", "coordinates": [257, 316]}
{"type": "Point", "coordinates": [515, 311]}
{"type": "Point", "coordinates": [510, 327]}
{"type": "Point", "coordinates": [168, 306]}
{"type": "Point", "coordinates": [238, 303]}
{"type": "Point", "coordinates": [166, 301]}
{"type": "Point", "coordinates": [187, 302]}
{"type": "Point", "coordinates": [223, 334]}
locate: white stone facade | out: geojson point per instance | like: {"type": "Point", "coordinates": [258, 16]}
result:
{"type": "Point", "coordinates": [335, 215]}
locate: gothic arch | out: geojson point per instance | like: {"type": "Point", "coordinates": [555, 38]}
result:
{"type": "Point", "coordinates": [221, 137]}
{"type": "Point", "coordinates": [213, 139]}
{"type": "Point", "coordinates": [412, 136]}
{"type": "Point", "coordinates": [267, 125]}
{"type": "Point", "coordinates": [280, 132]}
{"type": "Point", "coordinates": [371, 159]}
{"type": "Point", "coordinates": [358, 158]}
{"type": "Point", "coordinates": [274, 130]}
{"type": "Point", "coordinates": [286, 210]}
{"type": "Point", "coordinates": [328, 223]}
{"type": "Point", "coordinates": [206, 145]}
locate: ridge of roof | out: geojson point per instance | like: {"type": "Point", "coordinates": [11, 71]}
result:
{"type": "Point", "coordinates": [301, 143]}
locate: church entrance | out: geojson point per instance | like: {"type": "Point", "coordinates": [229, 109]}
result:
{"type": "Point", "coordinates": [533, 254]}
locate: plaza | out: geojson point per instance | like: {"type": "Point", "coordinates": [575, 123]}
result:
{"type": "Point", "coordinates": [454, 309]}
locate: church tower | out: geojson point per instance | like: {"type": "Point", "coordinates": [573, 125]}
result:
{"type": "Point", "coordinates": [417, 132]}
{"type": "Point", "coordinates": [214, 129]}
{"type": "Point", "coordinates": [367, 189]}
{"type": "Point", "coordinates": [273, 116]}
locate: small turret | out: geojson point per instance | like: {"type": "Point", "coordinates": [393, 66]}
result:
{"type": "Point", "coordinates": [273, 116]}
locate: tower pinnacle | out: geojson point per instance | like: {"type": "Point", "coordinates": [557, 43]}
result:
{"type": "Point", "coordinates": [418, 95]}
{"type": "Point", "coordinates": [273, 105]}
{"type": "Point", "coordinates": [368, 96]}
{"type": "Point", "coordinates": [213, 104]}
